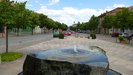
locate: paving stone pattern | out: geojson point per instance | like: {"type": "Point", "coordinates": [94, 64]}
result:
{"type": "Point", "coordinates": [120, 56]}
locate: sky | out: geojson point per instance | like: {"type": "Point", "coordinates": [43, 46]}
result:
{"type": "Point", "coordinates": [70, 11]}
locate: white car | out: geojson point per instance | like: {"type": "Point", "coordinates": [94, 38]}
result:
{"type": "Point", "coordinates": [124, 35]}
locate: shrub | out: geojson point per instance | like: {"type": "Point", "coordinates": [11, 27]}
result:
{"type": "Point", "coordinates": [93, 36]}
{"type": "Point", "coordinates": [121, 38]}
{"type": "Point", "coordinates": [61, 36]}
{"type": "Point", "coordinates": [10, 56]}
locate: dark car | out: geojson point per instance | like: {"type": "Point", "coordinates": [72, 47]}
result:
{"type": "Point", "coordinates": [115, 34]}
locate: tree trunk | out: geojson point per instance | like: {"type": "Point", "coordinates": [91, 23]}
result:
{"type": "Point", "coordinates": [108, 31]}
{"type": "Point", "coordinates": [123, 30]}
{"type": "Point", "coordinates": [104, 30]}
{"type": "Point", "coordinates": [113, 30]}
{"type": "Point", "coordinates": [99, 31]}
{"type": "Point", "coordinates": [44, 31]}
{"type": "Point", "coordinates": [6, 32]}
{"type": "Point", "coordinates": [32, 31]}
{"type": "Point", "coordinates": [18, 31]}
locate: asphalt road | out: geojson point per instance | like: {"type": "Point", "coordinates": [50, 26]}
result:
{"type": "Point", "coordinates": [18, 42]}
{"type": "Point", "coordinates": [23, 39]}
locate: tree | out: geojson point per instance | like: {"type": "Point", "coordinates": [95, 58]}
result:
{"type": "Point", "coordinates": [58, 24]}
{"type": "Point", "coordinates": [78, 25]}
{"type": "Point", "coordinates": [107, 23]}
{"type": "Point", "coordinates": [33, 20]}
{"type": "Point", "coordinates": [93, 23]}
{"type": "Point", "coordinates": [85, 26]}
{"type": "Point", "coordinates": [64, 26]}
{"type": "Point", "coordinates": [73, 28]}
{"type": "Point", "coordinates": [6, 18]}
{"type": "Point", "coordinates": [42, 19]}
{"type": "Point", "coordinates": [21, 16]}
{"type": "Point", "coordinates": [130, 21]}
{"type": "Point", "coordinates": [49, 23]}
{"type": "Point", "coordinates": [122, 19]}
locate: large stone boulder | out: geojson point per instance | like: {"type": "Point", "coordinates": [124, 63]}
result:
{"type": "Point", "coordinates": [77, 60]}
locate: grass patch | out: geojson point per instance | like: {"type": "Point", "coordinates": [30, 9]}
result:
{"type": "Point", "coordinates": [10, 56]}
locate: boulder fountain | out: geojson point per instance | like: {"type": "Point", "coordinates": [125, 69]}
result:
{"type": "Point", "coordinates": [77, 60]}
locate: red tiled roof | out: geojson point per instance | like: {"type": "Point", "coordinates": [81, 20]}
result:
{"type": "Point", "coordinates": [131, 8]}
{"type": "Point", "coordinates": [113, 12]}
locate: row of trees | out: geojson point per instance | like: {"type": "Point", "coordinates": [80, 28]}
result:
{"type": "Point", "coordinates": [122, 20]}
{"type": "Point", "coordinates": [91, 25]}
{"type": "Point", "coordinates": [15, 15]}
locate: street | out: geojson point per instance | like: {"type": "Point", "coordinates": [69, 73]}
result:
{"type": "Point", "coordinates": [15, 41]}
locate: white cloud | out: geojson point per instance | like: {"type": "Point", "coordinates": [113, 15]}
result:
{"type": "Point", "coordinates": [52, 2]}
{"type": "Point", "coordinates": [29, 5]}
{"type": "Point", "coordinates": [119, 5]}
{"type": "Point", "coordinates": [68, 15]}
{"type": "Point", "coordinates": [115, 6]}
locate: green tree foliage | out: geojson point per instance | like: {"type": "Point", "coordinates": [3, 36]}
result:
{"type": "Point", "coordinates": [79, 26]}
{"type": "Point", "coordinates": [15, 15]}
{"type": "Point", "coordinates": [6, 18]}
{"type": "Point", "coordinates": [33, 20]}
{"type": "Point", "coordinates": [58, 24]}
{"type": "Point", "coordinates": [42, 19]}
{"type": "Point", "coordinates": [130, 21]}
{"type": "Point", "coordinates": [107, 22]}
{"type": "Point", "coordinates": [122, 18]}
{"type": "Point", "coordinates": [49, 23]}
{"type": "Point", "coordinates": [21, 16]}
{"type": "Point", "coordinates": [73, 28]}
{"type": "Point", "coordinates": [93, 23]}
{"type": "Point", "coordinates": [64, 26]}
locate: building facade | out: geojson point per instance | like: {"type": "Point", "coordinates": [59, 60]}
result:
{"type": "Point", "coordinates": [112, 30]}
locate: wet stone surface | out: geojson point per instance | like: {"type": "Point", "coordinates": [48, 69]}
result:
{"type": "Point", "coordinates": [76, 60]}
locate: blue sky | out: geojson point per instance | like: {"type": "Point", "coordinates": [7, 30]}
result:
{"type": "Point", "coordinates": [68, 11]}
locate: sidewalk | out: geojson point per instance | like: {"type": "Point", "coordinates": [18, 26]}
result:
{"type": "Point", "coordinates": [120, 56]}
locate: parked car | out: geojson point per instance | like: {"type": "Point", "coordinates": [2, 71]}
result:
{"type": "Point", "coordinates": [115, 34]}
{"type": "Point", "coordinates": [124, 35]}
{"type": "Point", "coordinates": [67, 33]}
{"type": "Point", "coordinates": [56, 34]}
{"type": "Point", "coordinates": [72, 32]}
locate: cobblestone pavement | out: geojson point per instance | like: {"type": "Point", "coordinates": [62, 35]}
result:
{"type": "Point", "coordinates": [120, 56]}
